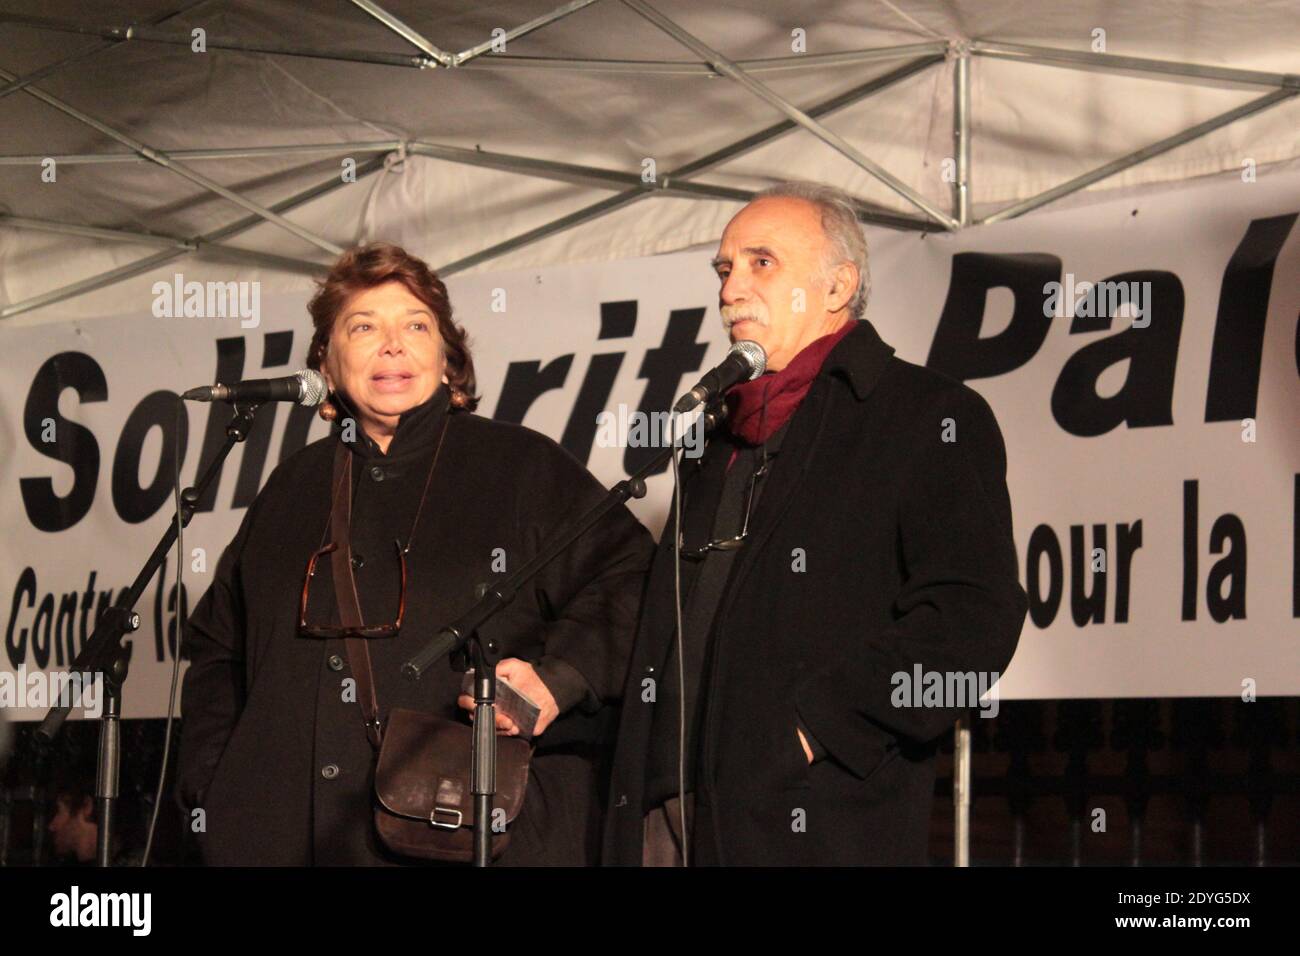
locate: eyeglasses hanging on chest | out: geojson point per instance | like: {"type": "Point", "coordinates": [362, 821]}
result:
{"type": "Point", "coordinates": [733, 542]}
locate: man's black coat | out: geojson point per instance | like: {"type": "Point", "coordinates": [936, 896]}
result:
{"type": "Point", "coordinates": [273, 750]}
{"type": "Point", "coordinates": [881, 542]}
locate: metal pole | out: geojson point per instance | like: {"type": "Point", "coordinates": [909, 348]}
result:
{"type": "Point", "coordinates": [244, 152]}
{"type": "Point", "coordinates": [1141, 155]}
{"type": "Point", "coordinates": [1110, 63]}
{"type": "Point", "coordinates": [669, 184]}
{"type": "Point", "coordinates": [215, 250]}
{"type": "Point", "coordinates": [535, 24]}
{"type": "Point", "coordinates": [835, 141]}
{"type": "Point", "coordinates": [162, 159]}
{"type": "Point", "coordinates": [774, 64]}
{"type": "Point", "coordinates": [704, 163]}
{"type": "Point", "coordinates": [94, 232]}
{"type": "Point", "coordinates": [826, 107]}
{"type": "Point", "coordinates": [961, 134]}
{"type": "Point", "coordinates": [22, 82]}
{"type": "Point", "coordinates": [525, 165]}
{"type": "Point", "coordinates": [144, 265]}
{"type": "Point", "coordinates": [961, 792]}
{"type": "Point", "coordinates": [546, 169]}
{"type": "Point", "coordinates": [107, 771]}
{"type": "Point", "coordinates": [57, 65]}
{"type": "Point", "coordinates": [585, 214]}
{"type": "Point", "coordinates": [483, 759]}
{"type": "Point", "coordinates": [411, 36]}
{"type": "Point", "coordinates": [145, 34]}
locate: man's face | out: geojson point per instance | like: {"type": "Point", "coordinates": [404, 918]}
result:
{"type": "Point", "coordinates": [385, 353]}
{"type": "Point", "coordinates": [66, 827]}
{"type": "Point", "coordinates": [773, 290]}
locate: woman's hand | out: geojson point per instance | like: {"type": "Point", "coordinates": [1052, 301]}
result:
{"type": "Point", "coordinates": [524, 679]}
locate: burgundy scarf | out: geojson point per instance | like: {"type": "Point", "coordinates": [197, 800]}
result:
{"type": "Point", "coordinates": [757, 409]}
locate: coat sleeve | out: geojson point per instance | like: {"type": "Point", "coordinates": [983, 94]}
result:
{"type": "Point", "coordinates": [960, 608]}
{"type": "Point", "coordinates": [212, 696]}
{"type": "Point", "coordinates": [592, 593]}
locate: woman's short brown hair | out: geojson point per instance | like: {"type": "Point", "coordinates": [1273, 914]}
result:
{"type": "Point", "coordinates": [365, 267]}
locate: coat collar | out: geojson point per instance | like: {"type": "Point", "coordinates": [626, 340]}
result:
{"type": "Point", "coordinates": [859, 358]}
{"type": "Point", "coordinates": [417, 429]}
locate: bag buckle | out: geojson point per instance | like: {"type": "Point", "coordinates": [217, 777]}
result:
{"type": "Point", "coordinates": [433, 818]}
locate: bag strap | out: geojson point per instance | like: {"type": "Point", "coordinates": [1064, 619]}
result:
{"type": "Point", "coordinates": [345, 592]}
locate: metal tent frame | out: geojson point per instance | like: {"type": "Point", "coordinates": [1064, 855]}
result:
{"type": "Point", "coordinates": [629, 187]}
{"type": "Point", "coordinates": [679, 182]}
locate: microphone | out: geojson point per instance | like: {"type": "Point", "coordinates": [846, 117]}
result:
{"type": "Point", "coordinates": [745, 362]}
{"type": "Point", "coordinates": [305, 387]}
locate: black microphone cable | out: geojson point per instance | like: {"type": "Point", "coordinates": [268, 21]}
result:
{"type": "Point", "coordinates": [181, 619]}
{"type": "Point", "coordinates": [681, 659]}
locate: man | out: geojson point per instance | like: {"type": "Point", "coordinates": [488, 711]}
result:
{"type": "Point", "coordinates": [74, 826]}
{"type": "Point", "coordinates": [849, 524]}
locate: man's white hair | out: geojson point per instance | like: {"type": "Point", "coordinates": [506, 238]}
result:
{"type": "Point", "coordinates": [844, 239]}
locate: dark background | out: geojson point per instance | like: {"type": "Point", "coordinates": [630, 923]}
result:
{"type": "Point", "coordinates": [1181, 781]}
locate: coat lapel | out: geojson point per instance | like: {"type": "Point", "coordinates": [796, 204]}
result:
{"type": "Point", "coordinates": [702, 480]}
{"type": "Point", "coordinates": [700, 505]}
{"type": "Point", "coordinates": [851, 371]}
{"type": "Point", "coordinates": [789, 468]}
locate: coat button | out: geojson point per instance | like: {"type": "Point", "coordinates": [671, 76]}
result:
{"type": "Point", "coordinates": [329, 771]}
{"type": "Point", "coordinates": [358, 561]}
{"type": "Point", "coordinates": [377, 473]}
{"type": "Point", "coordinates": [335, 662]}
{"type": "Point", "coordinates": [650, 669]}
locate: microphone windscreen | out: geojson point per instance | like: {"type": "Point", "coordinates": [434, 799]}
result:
{"type": "Point", "coordinates": [754, 356]}
{"type": "Point", "coordinates": [314, 388]}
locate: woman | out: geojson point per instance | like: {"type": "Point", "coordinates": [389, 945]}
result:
{"type": "Point", "coordinates": [274, 750]}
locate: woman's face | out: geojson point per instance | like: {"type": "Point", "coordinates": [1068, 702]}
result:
{"type": "Point", "coordinates": [386, 354]}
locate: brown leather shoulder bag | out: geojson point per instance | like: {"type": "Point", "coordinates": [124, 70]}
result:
{"type": "Point", "coordinates": [424, 806]}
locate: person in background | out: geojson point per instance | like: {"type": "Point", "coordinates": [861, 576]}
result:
{"type": "Point", "coordinates": [73, 829]}
{"type": "Point", "coordinates": [74, 824]}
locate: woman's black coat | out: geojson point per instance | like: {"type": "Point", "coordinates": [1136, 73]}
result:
{"type": "Point", "coordinates": [273, 749]}
{"type": "Point", "coordinates": [882, 541]}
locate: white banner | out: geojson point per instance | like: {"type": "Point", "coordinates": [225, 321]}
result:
{"type": "Point", "coordinates": [1150, 422]}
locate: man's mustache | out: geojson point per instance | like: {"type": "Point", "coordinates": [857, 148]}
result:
{"type": "Point", "coordinates": [731, 314]}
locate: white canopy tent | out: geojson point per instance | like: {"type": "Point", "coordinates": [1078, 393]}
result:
{"type": "Point", "coordinates": [254, 140]}
{"type": "Point", "coordinates": [592, 130]}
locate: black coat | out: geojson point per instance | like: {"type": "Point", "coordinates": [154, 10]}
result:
{"type": "Point", "coordinates": [274, 755]}
{"type": "Point", "coordinates": [908, 558]}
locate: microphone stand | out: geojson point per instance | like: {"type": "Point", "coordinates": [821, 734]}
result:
{"type": "Point", "coordinates": [105, 654]}
{"type": "Point", "coordinates": [484, 652]}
